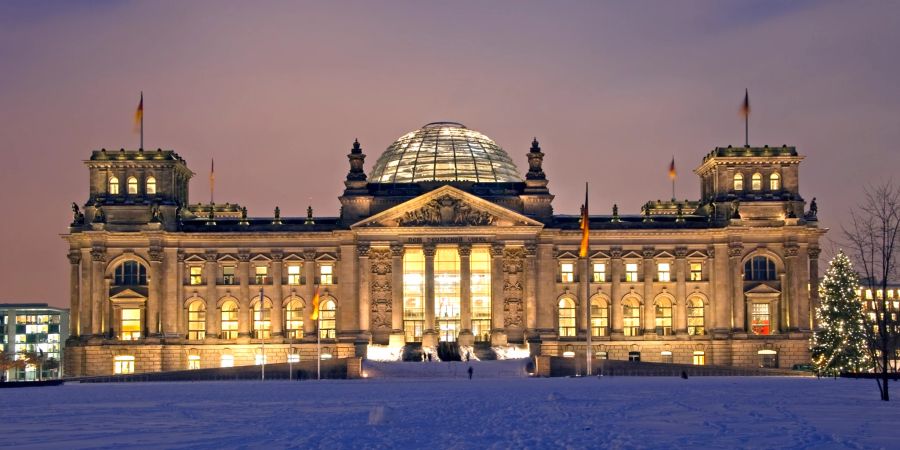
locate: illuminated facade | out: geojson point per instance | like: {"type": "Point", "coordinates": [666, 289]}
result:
{"type": "Point", "coordinates": [443, 240]}
{"type": "Point", "coordinates": [36, 329]}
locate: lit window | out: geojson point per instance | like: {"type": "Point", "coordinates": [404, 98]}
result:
{"type": "Point", "coordinates": [113, 186]}
{"type": "Point", "coordinates": [599, 273]}
{"type": "Point", "coordinates": [327, 316]}
{"type": "Point", "coordinates": [664, 317]}
{"type": "Point", "coordinates": [413, 294]}
{"type": "Point", "coordinates": [228, 275]}
{"type": "Point", "coordinates": [663, 271]}
{"type": "Point", "coordinates": [599, 317]}
{"type": "Point", "coordinates": [196, 320]}
{"type": "Point", "coordinates": [768, 358]}
{"type": "Point", "coordinates": [631, 317]}
{"type": "Point", "coordinates": [132, 185]}
{"type": "Point", "coordinates": [631, 272]}
{"type": "Point", "coordinates": [738, 182]}
{"type": "Point", "coordinates": [756, 182]}
{"type": "Point", "coordinates": [666, 356]}
{"type": "Point", "coordinates": [131, 324]}
{"type": "Point", "coordinates": [699, 358]}
{"type": "Point", "coordinates": [226, 361]}
{"type": "Point", "coordinates": [130, 273]}
{"type": "Point", "coordinates": [123, 365]}
{"type": "Point", "coordinates": [774, 182]}
{"type": "Point", "coordinates": [293, 357]}
{"type": "Point", "coordinates": [696, 272]}
{"type": "Point", "coordinates": [193, 362]}
{"type": "Point", "coordinates": [759, 268]}
{"type": "Point", "coordinates": [293, 319]}
{"type": "Point", "coordinates": [567, 272]}
{"type": "Point", "coordinates": [696, 321]}
{"type": "Point", "coordinates": [151, 186]}
{"type": "Point", "coordinates": [229, 320]}
{"type": "Point", "coordinates": [760, 321]}
{"type": "Point", "coordinates": [262, 325]}
{"type": "Point", "coordinates": [294, 274]}
{"type": "Point", "coordinates": [260, 359]}
{"type": "Point", "coordinates": [196, 277]}
{"type": "Point", "coordinates": [447, 293]}
{"type": "Point", "coordinates": [480, 288]}
{"type": "Point", "coordinates": [326, 274]}
{"type": "Point", "coordinates": [566, 318]}
{"type": "Point", "coordinates": [262, 273]}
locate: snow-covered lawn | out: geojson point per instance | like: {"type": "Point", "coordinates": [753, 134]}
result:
{"type": "Point", "coordinates": [619, 412]}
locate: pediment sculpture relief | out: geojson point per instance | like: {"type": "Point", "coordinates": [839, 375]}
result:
{"type": "Point", "coordinates": [446, 211]}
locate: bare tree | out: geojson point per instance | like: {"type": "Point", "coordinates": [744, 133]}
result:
{"type": "Point", "coordinates": [873, 234]}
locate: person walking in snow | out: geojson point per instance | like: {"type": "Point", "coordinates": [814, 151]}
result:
{"type": "Point", "coordinates": [470, 372]}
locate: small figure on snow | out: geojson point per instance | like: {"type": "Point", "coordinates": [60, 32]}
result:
{"type": "Point", "coordinates": [471, 370]}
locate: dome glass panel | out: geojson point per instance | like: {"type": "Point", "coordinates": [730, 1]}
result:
{"type": "Point", "coordinates": [444, 151]}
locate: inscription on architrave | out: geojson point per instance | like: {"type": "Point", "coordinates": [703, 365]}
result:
{"type": "Point", "coordinates": [380, 287]}
{"type": "Point", "coordinates": [513, 259]}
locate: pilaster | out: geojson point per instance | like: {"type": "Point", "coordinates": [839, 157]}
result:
{"type": "Point", "coordinates": [363, 299]}
{"type": "Point", "coordinates": [680, 308]}
{"type": "Point", "coordinates": [649, 306]}
{"type": "Point", "coordinates": [465, 291]}
{"type": "Point", "coordinates": [275, 315]}
{"type": "Point", "coordinates": [615, 289]}
{"type": "Point", "coordinates": [738, 304]}
{"type": "Point", "coordinates": [74, 291]}
{"type": "Point", "coordinates": [244, 297]}
{"type": "Point", "coordinates": [429, 251]}
{"type": "Point", "coordinates": [211, 272]}
{"type": "Point", "coordinates": [397, 336]}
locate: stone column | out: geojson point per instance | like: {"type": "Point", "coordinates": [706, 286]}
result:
{"type": "Point", "coordinates": [738, 304]}
{"type": "Point", "coordinates": [277, 296]}
{"type": "Point", "coordinates": [363, 300]}
{"type": "Point", "coordinates": [545, 291]}
{"type": "Point", "coordinates": [497, 298]}
{"type": "Point", "coordinates": [680, 307]}
{"type": "Point", "coordinates": [465, 291]}
{"type": "Point", "coordinates": [180, 320]}
{"type": "Point", "coordinates": [813, 252]}
{"type": "Point", "coordinates": [87, 291]}
{"type": "Point", "coordinates": [530, 298]}
{"type": "Point", "coordinates": [615, 290]}
{"type": "Point", "coordinates": [211, 270]}
{"type": "Point", "coordinates": [154, 290]}
{"type": "Point", "coordinates": [74, 292]}
{"type": "Point", "coordinates": [98, 285]}
{"type": "Point", "coordinates": [397, 336]}
{"type": "Point", "coordinates": [429, 251]}
{"type": "Point", "coordinates": [649, 307]}
{"type": "Point", "coordinates": [244, 297]}
{"type": "Point", "coordinates": [309, 291]}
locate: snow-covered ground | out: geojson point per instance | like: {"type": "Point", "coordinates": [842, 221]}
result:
{"type": "Point", "coordinates": [615, 412]}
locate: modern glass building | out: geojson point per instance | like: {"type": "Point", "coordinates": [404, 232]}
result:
{"type": "Point", "coordinates": [35, 332]}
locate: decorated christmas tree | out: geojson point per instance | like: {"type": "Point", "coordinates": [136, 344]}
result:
{"type": "Point", "coordinates": [839, 345]}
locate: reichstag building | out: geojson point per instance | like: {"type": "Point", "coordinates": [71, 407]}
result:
{"type": "Point", "coordinates": [444, 240]}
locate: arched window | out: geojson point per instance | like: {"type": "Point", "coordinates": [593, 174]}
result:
{"type": "Point", "coordinates": [132, 185]}
{"type": "Point", "coordinates": [756, 182]}
{"type": "Point", "coordinates": [113, 186]}
{"type": "Point", "coordinates": [262, 325]}
{"type": "Point", "coordinates": [663, 317]}
{"type": "Point", "coordinates": [196, 320]}
{"type": "Point", "coordinates": [151, 186]}
{"type": "Point", "coordinates": [229, 320]}
{"type": "Point", "coordinates": [293, 320]}
{"type": "Point", "coordinates": [566, 318]}
{"type": "Point", "coordinates": [130, 273]}
{"type": "Point", "coordinates": [696, 322]}
{"type": "Point", "coordinates": [759, 268]}
{"type": "Point", "coordinates": [631, 317]}
{"type": "Point", "coordinates": [327, 316]}
{"type": "Point", "coordinates": [599, 317]}
{"type": "Point", "coordinates": [774, 182]}
{"type": "Point", "coordinates": [738, 182]}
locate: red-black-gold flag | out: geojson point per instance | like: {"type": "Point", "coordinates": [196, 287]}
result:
{"type": "Point", "coordinates": [585, 226]}
{"type": "Point", "coordinates": [672, 173]}
{"type": "Point", "coordinates": [315, 305]}
{"type": "Point", "coordinates": [139, 115]}
{"type": "Point", "coordinates": [745, 107]}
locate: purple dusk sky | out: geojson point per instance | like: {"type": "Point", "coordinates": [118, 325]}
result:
{"type": "Point", "coordinates": [277, 91]}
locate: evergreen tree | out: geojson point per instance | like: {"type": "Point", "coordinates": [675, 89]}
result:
{"type": "Point", "coordinates": [839, 345]}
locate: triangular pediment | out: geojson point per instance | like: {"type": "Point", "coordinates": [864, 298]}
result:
{"type": "Point", "coordinates": [226, 258]}
{"type": "Point", "coordinates": [632, 255]}
{"type": "Point", "coordinates": [447, 206]}
{"type": "Point", "coordinates": [565, 254]}
{"type": "Point", "coordinates": [762, 290]}
{"type": "Point", "coordinates": [600, 255]}
{"type": "Point", "coordinates": [696, 254]}
{"type": "Point", "coordinates": [195, 258]}
{"type": "Point", "coordinates": [127, 294]}
{"type": "Point", "coordinates": [664, 255]}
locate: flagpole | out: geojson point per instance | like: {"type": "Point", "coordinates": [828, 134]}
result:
{"type": "Point", "coordinates": [318, 351]}
{"type": "Point", "coordinates": [142, 120]}
{"type": "Point", "coordinates": [587, 285]}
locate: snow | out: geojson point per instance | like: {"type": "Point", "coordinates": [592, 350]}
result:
{"type": "Point", "coordinates": [383, 353]}
{"type": "Point", "coordinates": [504, 412]}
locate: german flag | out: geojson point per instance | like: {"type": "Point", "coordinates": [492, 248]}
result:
{"type": "Point", "coordinates": [315, 305]}
{"type": "Point", "coordinates": [672, 173]}
{"type": "Point", "coordinates": [139, 115]}
{"type": "Point", "coordinates": [585, 225]}
{"type": "Point", "coordinates": [745, 107]}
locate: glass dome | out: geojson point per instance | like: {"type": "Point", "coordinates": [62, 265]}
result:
{"type": "Point", "coordinates": [444, 151]}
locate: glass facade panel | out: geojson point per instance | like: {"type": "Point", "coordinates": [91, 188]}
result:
{"type": "Point", "coordinates": [413, 294]}
{"type": "Point", "coordinates": [480, 264]}
{"type": "Point", "coordinates": [447, 292]}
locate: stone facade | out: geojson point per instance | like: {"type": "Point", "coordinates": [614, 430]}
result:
{"type": "Point", "coordinates": [730, 277]}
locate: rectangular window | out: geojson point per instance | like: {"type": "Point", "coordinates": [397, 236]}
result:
{"type": "Point", "coordinates": [413, 294]}
{"type": "Point", "coordinates": [663, 271]}
{"type": "Point", "coordinates": [294, 275]}
{"type": "Point", "coordinates": [760, 322]}
{"type": "Point", "coordinates": [567, 272]}
{"type": "Point", "coordinates": [262, 273]}
{"type": "Point", "coordinates": [293, 358]}
{"type": "Point", "coordinates": [447, 292]}
{"type": "Point", "coordinates": [696, 272]}
{"type": "Point", "coordinates": [228, 275]}
{"type": "Point", "coordinates": [123, 365]}
{"type": "Point", "coordinates": [131, 324]}
{"type": "Point", "coordinates": [666, 356]}
{"type": "Point", "coordinates": [480, 288]}
{"type": "Point", "coordinates": [193, 362]}
{"type": "Point", "coordinates": [226, 361]}
{"type": "Point", "coordinates": [599, 273]}
{"type": "Point", "coordinates": [326, 274]}
{"type": "Point", "coordinates": [699, 358]}
{"type": "Point", "coordinates": [196, 277]}
{"type": "Point", "coordinates": [631, 272]}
